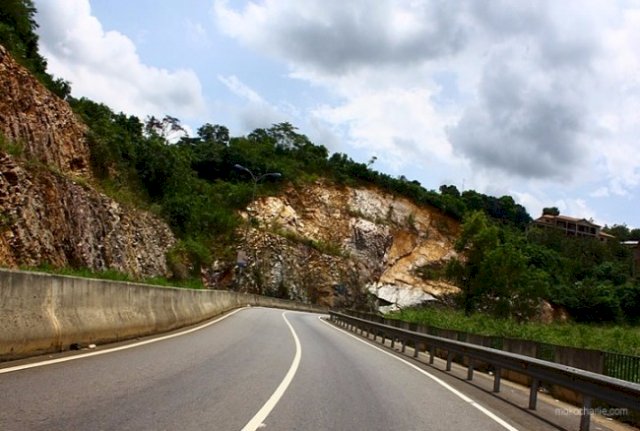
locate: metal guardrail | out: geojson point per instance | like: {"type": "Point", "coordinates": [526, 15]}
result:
{"type": "Point", "coordinates": [618, 393]}
{"type": "Point", "coordinates": [620, 366]}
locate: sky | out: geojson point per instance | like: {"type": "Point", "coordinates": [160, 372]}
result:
{"type": "Point", "coordinates": [535, 99]}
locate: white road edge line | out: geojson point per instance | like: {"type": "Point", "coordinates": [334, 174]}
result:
{"type": "Point", "coordinates": [432, 377]}
{"type": "Point", "coordinates": [258, 420]}
{"type": "Point", "coordinates": [115, 349]}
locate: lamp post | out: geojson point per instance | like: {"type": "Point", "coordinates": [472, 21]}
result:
{"type": "Point", "coordinates": [241, 260]}
{"type": "Point", "coordinates": [256, 179]}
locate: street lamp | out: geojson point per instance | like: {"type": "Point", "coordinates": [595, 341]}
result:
{"type": "Point", "coordinates": [256, 179]}
{"type": "Point", "coordinates": [241, 260]}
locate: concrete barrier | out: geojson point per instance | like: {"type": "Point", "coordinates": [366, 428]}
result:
{"type": "Point", "coordinates": [42, 313]}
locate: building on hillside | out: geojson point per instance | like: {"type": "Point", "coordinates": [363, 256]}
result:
{"type": "Point", "coordinates": [572, 226]}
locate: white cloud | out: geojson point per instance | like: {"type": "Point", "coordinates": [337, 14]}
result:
{"type": "Point", "coordinates": [240, 89]}
{"type": "Point", "coordinates": [256, 112]}
{"type": "Point", "coordinates": [532, 99]}
{"type": "Point", "coordinates": [104, 65]}
{"type": "Point", "coordinates": [393, 122]}
{"type": "Point", "coordinates": [576, 208]}
{"type": "Point", "coordinates": [601, 192]}
{"type": "Point", "coordinates": [335, 37]}
{"type": "Point", "coordinates": [197, 33]}
{"type": "Point", "coordinates": [618, 102]}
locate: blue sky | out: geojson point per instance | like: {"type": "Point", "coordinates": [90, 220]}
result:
{"type": "Point", "coordinates": [539, 100]}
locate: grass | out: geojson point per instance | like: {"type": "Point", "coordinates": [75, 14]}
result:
{"type": "Point", "coordinates": [612, 338]}
{"type": "Point", "coordinates": [127, 194]}
{"type": "Point", "coordinates": [324, 247]}
{"type": "Point", "coordinates": [114, 275]}
{"type": "Point", "coordinates": [14, 148]}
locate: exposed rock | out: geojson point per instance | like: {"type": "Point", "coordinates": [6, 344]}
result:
{"type": "Point", "coordinates": [552, 313]}
{"type": "Point", "coordinates": [338, 244]}
{"type": "Point", "coordinates": [48, 218]}
{"type": "Point", "coordinates": [399, 296]}
{"type": "Point", "coordinates": [319, 243]}
{"type": "Point", "coordinates": [49, 211]}
{"type": "Point", "coordinates": [40, 121]}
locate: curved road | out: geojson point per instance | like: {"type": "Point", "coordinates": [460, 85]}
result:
{"type": "Point", "coordinates": [253, 369]}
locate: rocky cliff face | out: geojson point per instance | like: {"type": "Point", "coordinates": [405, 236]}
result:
{"type": "Point", "coordinates": [49, 211]}
{"type": "Point", "coordinates": [39, 121]}
{"type": "Point", "coordinates": [319, 243]}
{"type": "Point", "coordinates": [336, 244]}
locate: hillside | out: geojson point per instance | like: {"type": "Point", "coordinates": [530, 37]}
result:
{"type": "Point", "coordinates": [84, 187]}
{"type": "Point", "coordinates": [334, 244]}
{"type": "Point", "coordinates": [50, 211]}
{"type": "Point", "coordinates": [316, 242]}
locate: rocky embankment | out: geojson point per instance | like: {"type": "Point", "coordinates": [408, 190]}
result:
{"type": "Point", "coordinates": [339, 244]}
{"type": "Point", "coordinates": [49, 211]}
{"type": "Point", "coordinates": [319, 242]}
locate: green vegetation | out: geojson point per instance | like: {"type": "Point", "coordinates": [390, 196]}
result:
{"type": "Point", "coordinates": [14, 148]}
{"type": "Point", "coordinates": [612, 338]}
{"type": "Point", "coordinates": [506, 273]}
{"type": "Point", "coordinates": [622, 232]}
{"type": "Point", "coordinates": [324, 247]}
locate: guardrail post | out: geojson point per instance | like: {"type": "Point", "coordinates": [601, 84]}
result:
{"type": "Point", "coordinates": [496, 379]}
{"type": "Point", "coordinates": [533, 395]}
{"type": "Point", "coordinates": [585, 418]}
{"type": "Point", "coordinates": [606, 389]}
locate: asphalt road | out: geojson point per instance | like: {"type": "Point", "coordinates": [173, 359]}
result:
{"type": "Point", "coordinates": [255, 369]}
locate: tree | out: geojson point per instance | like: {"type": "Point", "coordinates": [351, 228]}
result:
{"type": "Point", "coordinates": [449, 190]}
{"type": "Point", "coordinates": [478, 237]}
{"type": "Point", "coordinates": [620, 231]}
{"type": "Point", "coordinates": [553, 211]}
{"type": "Point", "coordinates": [511, 287]}
{"type": "Point", "coordinates": [214, 134]}
{"type": "Point", "coordinates": [168, 128]}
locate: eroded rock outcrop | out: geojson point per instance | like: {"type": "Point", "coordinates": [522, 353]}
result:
{"type": "Point", "coordinates": [332, 241]}
{"type": "Point", "coordinates": [39, 121]}
{"type": "Point", "coordinates": [49, 211]}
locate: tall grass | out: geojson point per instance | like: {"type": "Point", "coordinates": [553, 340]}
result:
{"type": "Point", "coordinates": [612, 338]}
{"type": "Point", "coordinates": [14, 148]}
